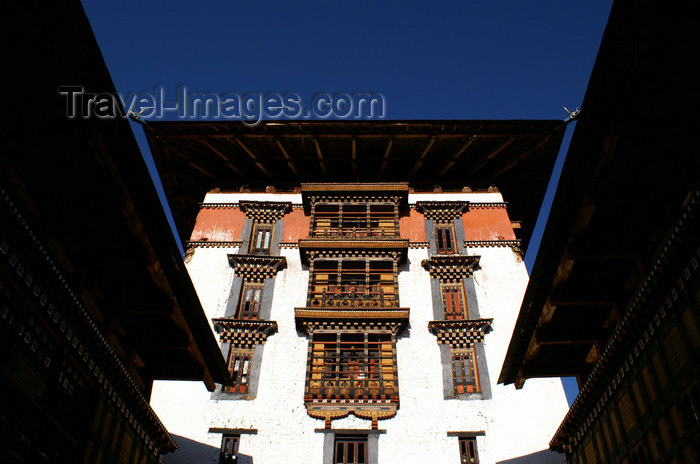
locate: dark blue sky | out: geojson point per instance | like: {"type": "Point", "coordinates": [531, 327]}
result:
{"type": "Point", "coordinates": [430, 60]}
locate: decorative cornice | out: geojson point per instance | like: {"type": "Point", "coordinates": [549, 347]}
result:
{"type": "Point", "coordinates": [418, 244]}
{"type": "Point", "coordinates": [265, 210]}
{"type": "Point", "coordinates": [244, 333]}
{"type": "Point", "coordinates": [311, 243]}
{"type": "Point", "coordinates": [338, 408]}
{"type": "Point", "coordinates": [289, 244]}
{"type": "Point", "coordinates": [312, 325]}
{"type": "Point", "coordinates": [442, 211]}
{"type": "Point", "coordinates": [395, 199]}
{"type": "Point", "coordinates": [313, 187]}
{"type": "Point", "coordinates": [218, 205]}
{"type": "Point", "coordinates": [208, 244]}
{"type": "Point", "coordinates": [331, 313]}
{"type": "Point", "coordinates": [255, 268]}
{"type": "Point", "coordinates": [451, 268]}
{"type": "Point", "coordinates": [474, 205]}
{"type": "Point", "coordinates": [492, 243]}
{"type": "Point", "coordinates": [462, 333]}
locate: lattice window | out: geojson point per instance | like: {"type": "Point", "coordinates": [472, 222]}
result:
{"type": "Point", "coordinates": [229, 449]}
{"type": "Point", "coordinates": [239, 366]}
{"type": "Point", "coordinates": [464, 372]}
{"type": "Point", "coordinates": [350, 449]}
{"type": "Point", "coordinates": [355, 220]}
{"type": "Point", "coordinates": [444, 239]}
{"type": "Point", "coordinates": [352, 364]}
{"type": "Point", "coordinates": [261, 239]}
{"type": "Point", "coordinates": [251, 297]}
{"type": "Point", "coordinates": [467, 450]}
{"type": "Point", "coordinates": [675, 350]}
{"type": "Point", "coordinates": [453, 302]}
{"type": "Point", "coordinates": [353, 283]}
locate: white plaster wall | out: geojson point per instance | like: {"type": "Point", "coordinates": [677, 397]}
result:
{"type": "Point", "coordinates": [516, 422]}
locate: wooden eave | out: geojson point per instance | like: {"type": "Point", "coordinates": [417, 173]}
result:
{"type": "Point", "coordinates": [84, 186]}
{"type": "Point", "coordinates": [389, 245]}
{"type": "Point", "coordinates": [195, 157]}
{"type": "Point", "coordinates": [333, 189]}
{"type": "Point", "coordinates": [623, 185]}
{"type": "Point", "coordinates": [351, 314]}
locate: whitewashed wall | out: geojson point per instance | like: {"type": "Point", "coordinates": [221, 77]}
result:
{"type": "Point", "coordinates": [517, 423]}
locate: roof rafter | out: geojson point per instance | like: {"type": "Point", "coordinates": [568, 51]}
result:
{"type": "Point", "coordinates": [251, 154]}
{"type": "Point", "coordinates": [456, 156]}
{"type": "Point", "coordinates": [385, 161]}
{"type": "Point", "coordinates": [290, 163]}
{"type": "Point", "coordinates": [322, 160]}
{"type": "Point", "coordinates": [416, 166]}
{"type": "Point", "coordinates": [221, 155]}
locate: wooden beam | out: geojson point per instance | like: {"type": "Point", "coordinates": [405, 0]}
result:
{"type": "Point", "coordinates": [456, 135]}
{"type": "Point", "coordinates": [491, 155]}
{"type": "Point", "coordinates": [423, 155]}
{"type": "Point", "coordinates": [252, 155]}
{"type": "Point", "coordinates": [222, 156]}
{"type": "Point", "coordinates": [290, 163]}
{"type": "Point", "coordinates": [524, 155]}
{"type": "Point", "coordinates": [456, 156]}
{"type": "Point", "coordinates": [385, 161]}
{"type": "Point", "coordinates": [354, 156]}
{"type": "Point", "coordinates": [319, 153]}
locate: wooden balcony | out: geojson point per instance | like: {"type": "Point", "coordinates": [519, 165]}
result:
{"type": "Point", "coordinates": [353, 297]}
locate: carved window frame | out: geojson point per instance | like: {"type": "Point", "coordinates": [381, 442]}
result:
{"type": "Point", "coordinates": [250, 309]}
{"type": "Point", "coordinates": [454, 303]}
{"type": "Point", "coordinates": [465, 373]}
{"type": "Point", "coordinates": [240, 363]}
{"type": "Point", "coordinates": [445, 238]}
{"type": "Point", "coordinates": [261, 244]}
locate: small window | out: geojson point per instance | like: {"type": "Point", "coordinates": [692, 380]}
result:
{"type": "Point", "coordinates": [239, 366]}
{"type": "Point", "coordinates": [453, 302]}
{"type": "Point", "coordinates": [444, 239]}
{"type": "Point", "coordinates": [229, 449]}
{"type": "Point", "coordinates": [249, 307]}
{"type": "Point", "coordinates": [467, 450]}
{"type": "Point", "coordinates": [464, 372]}
{"type": "Point", "coordinates": [350, 449]}
{"type": "Point", "coordinates": [261, 239]}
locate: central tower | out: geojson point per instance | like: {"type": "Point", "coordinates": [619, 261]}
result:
{"type": "Point", "coordinates": [352, 315]}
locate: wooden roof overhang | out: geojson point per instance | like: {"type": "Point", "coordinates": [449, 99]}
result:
{"type": "Point", "coordinates": [83, 186]}
{"type": "Point", "coordinates": [350, 247]}
{"type": "Point", "coordinates": [331, 190]}
{"type": "Point", "coordinates": [664, 290]}
{"type": "Point", "coordinates": [196, 157]}
{"type": "Point", "coordinates": [365, 320]}
{"type": "Point", "coordinates": [622, 187]}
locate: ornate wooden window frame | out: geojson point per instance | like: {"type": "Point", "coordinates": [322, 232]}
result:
{"type": "Point", "coordinates": [240, 364]}
{"type": "Point", "coordinates": [250, 310]}
{"type": "Point", "coordinates": [445, 238]}
{"type": "Point", "coordinates": [465, 372]}
{"type": "Point", "coordinates": [453, 301]}
{"type": "Point", "coordinates": [261, 244]}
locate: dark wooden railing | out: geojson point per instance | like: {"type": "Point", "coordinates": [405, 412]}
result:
{"type": "Point", "coordinates": [351, 297]}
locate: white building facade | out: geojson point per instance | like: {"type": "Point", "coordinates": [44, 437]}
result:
{"type": "Point", "coordinates": [363, 323]}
